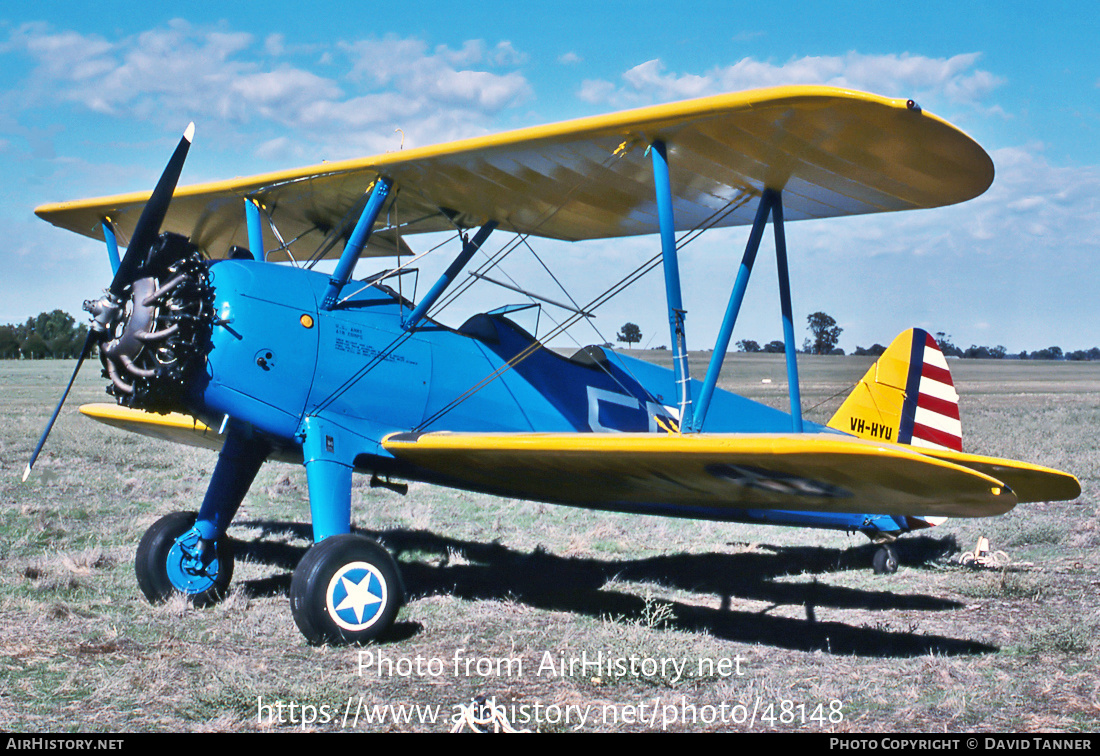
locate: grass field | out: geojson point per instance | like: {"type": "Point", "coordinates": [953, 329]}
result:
{"type": "Point", "coordinates": [687, 626]}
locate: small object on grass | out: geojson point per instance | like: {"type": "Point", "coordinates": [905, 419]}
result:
{"type": "Point", "coordinates": [981, 556]}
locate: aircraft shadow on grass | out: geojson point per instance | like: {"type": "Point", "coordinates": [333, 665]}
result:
{"type": "Point", "coordinates": [543, 580]}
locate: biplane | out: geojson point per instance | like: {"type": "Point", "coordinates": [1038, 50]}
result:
{"type": "Point", "coordinates": [217, 330]}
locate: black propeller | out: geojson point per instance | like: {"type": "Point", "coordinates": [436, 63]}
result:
{"type": "Point", "coordinates": [141, 241]}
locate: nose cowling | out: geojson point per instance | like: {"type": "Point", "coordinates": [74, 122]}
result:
{"type": "Point", "coordinates": [157, 331]}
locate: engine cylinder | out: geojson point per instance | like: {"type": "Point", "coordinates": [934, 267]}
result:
{"type": "Point", "coordinates": [158, 334]}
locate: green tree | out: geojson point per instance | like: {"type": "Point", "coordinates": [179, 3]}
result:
{"type": "Point", "coordinates": [948, 349]}
{"type": "Point", "coordinates": [629, 334]}
{"type": "Point", "coordinates": [35, 347]}
{"type": "Point", "coordinates": [9, 344]}
{"type": "Point", "coordinates": [747, 345]}
{"type": "Point", "coordinates": [49, 334]}
{"type": "Point", "coordinates": [825, 332]}
{"type": "Point", "coordinates": [55, 327]}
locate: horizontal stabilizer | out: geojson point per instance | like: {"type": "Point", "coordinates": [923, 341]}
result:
{"type": "Point", "coordinates": [908, 397]}
{"type": "Point", "coordinates": [704, 475]}
{"type": "Point", "coordinates": [1030, 483]}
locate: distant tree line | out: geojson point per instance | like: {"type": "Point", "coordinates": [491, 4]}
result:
{"type": "Point", "coordinates": [1000, 353]}
{"type": "Point", "coordinates": [748, 345]}
{"type": "Point", "coordinates": [825, 334]}
{"type": "Point", "coordinates": [50, 335]}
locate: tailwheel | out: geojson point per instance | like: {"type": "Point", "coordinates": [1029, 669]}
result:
{"type": "Point", "coordinates": [172, 558]}
{"type": "Point", "coordinates": [885, 561]}
{"type": "Point", "coordinates": [346, 590]}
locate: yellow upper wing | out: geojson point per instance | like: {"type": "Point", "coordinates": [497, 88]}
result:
{"type": "Point", "coordinates": [833, 152]}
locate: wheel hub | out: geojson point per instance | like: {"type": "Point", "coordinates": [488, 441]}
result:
{"type": "Point", "coordinates": [192, 563]}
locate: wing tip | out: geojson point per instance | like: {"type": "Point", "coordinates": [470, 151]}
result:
{"type": "Point", "coordinates": [189, 132]}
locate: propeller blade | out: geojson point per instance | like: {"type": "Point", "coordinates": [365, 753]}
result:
{"type": "Point", "coordinates": [145, 233]}
{"type": "Point", "coordinates": [152, 215]}
{"type": "Point", "coordinates": [88, 341]}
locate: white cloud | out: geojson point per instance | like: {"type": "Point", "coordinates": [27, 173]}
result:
{"type": "Point", "coordinates": [1008, 267]}
{"type": "Point", "coordinates": [181, 72]}
{"type": "Point", "coordinates": [596, 91]}
{"type": "Point", "coordinates": [431, 96]}
{"type": "Point", "coordinates": [275, 45]}
{"type": "Point", "coordinates": [505, 54]}
{"type": "Point", "coordinates": [954, 79]}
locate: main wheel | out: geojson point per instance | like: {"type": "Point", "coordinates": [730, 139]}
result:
{"type": "Point", "coordinates": [171, 559]}
{"type": "Point", "coordinates": [346, 590]}
{"type": "Point", "coordinates": [885, 561]}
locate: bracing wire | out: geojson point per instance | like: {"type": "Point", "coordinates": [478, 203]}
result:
{"type": "Point", "coordinates": [493, 261]}
{"type": "Point", "coordinates": [598, 301]}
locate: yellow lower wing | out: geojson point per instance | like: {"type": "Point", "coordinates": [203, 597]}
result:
{"type": "Point", "coordinates": [810, 472]}
{"type": "Point", "coordinates": [705, 473]}
{"type": "Point", "coordinates": [180, 429]}
{"type": "Point", "coordinates": [174, 427]}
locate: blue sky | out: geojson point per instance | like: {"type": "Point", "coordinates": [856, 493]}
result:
{"type": "Point", "coordinates": [93, 97]}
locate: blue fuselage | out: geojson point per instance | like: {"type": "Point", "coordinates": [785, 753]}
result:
{"type": "Point", "coordinates": [277, 359]}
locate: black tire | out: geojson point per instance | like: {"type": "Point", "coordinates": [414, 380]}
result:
{"type": "Point", "coordinates": [885, 561]}
{"type": "Point", "coordinates": [320, 585]}
{"type": "Point", "coordinates": [154, 573]}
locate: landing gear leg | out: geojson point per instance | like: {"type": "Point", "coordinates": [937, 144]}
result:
{"type": "Point", "coordinates": [347, 588]}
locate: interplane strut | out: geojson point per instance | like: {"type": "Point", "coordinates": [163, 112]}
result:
{"type": "Point", "coordinates": [693, 415]}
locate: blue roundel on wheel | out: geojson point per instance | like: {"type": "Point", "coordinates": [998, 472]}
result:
{"type": "Point", "coordinates": [356, 596]}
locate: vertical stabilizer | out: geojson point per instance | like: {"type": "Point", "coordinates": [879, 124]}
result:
{"type": "Point", "coordinates": [907, 397]}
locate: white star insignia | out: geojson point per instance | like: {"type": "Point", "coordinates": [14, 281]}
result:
{"type": "Point", "coordinates": [359, 596]}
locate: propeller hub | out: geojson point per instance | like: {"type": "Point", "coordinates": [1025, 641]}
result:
{"type": "Point", "coordinates": [104, 312]}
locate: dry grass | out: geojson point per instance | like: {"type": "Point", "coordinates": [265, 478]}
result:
{"type": "Point", "coordinates": [510, 591]}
